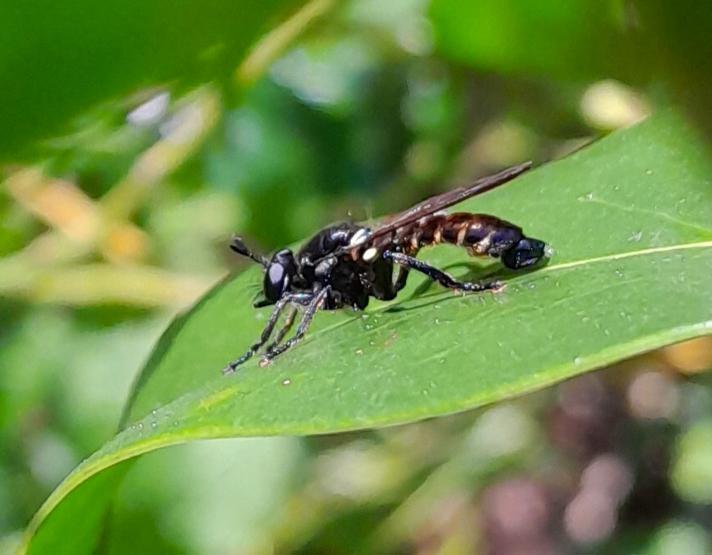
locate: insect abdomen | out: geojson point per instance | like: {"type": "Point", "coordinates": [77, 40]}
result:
{"type": "Point", "coordinates": [479, 233]}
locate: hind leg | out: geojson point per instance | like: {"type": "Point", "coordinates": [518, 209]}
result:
{"type": "Point", "coordinates": [443, 278]}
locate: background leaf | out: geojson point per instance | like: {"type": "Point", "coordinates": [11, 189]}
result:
{"type": "Point", "coordinates": [637, 42]}
{"type": "Point", "coordinates": [57, 60]}
{"type": "Point", "coordinates": [676, 41]}
{"type": "Point", "coordinates": [571, 40]}
{"type": "Point", "coordinates": [628, 218]}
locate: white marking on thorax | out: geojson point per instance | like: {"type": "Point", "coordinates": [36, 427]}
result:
{"type": "Point", "coordinates": [359, 237]}
{"type": "Point", "coordinates": [369, 254]}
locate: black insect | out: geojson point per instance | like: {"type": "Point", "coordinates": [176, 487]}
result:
{"type": "Point", "coordinates": [346, 264]}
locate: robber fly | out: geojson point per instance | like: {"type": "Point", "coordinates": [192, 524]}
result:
{"type": "Point", "coordinates": [346, 264]}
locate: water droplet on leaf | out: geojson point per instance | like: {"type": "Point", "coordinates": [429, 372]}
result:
{"type": "Point", "coordinates": [635, 237]}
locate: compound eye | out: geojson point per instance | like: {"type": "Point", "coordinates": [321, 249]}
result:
{"type": "Point", "coordinates": [276, 281]}
{"type": "Point", "coordinates": [525, 253]}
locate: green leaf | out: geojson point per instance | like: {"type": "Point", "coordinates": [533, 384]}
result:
{"type": "Point", "coordinates": [574, 39]}
{"type": "Point", "coordinates": [60, 58]}
{"type": "Point", "coordinates": [629, 218]}
{"type": "Point", "coordinates": [675, 38]}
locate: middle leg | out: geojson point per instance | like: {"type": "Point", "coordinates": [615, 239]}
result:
{"type": "Point", "coordinates": [382, 285]}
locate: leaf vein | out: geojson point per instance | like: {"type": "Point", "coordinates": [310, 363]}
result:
{"type": "Point", "coordinates": [667, 217]}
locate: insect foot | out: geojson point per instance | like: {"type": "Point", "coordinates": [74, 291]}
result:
{"type": "Point", "coordinates": [498, 286]}
{"type": "Point", "coordinates": [229, 369]}
{"type": "Point", "coordinates": [475, 287]}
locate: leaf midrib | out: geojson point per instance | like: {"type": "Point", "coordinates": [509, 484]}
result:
{"type": "Point", "coordinates": [628, 254]}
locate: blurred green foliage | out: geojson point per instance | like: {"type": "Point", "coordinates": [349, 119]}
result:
{"type": "Point", "coordinates": [577, 40]}
{"type": "Point", "coordinates": [130, 117]}
{"type": "Point", "coordinates": [59, 59]}
{"type": "Point", "coordinates": [676, 38]}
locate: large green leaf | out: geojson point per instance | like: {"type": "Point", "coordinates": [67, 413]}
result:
{"type": "Point", "coordinates": [630, 219]}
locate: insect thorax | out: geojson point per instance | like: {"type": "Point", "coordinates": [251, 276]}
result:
{"type": "Point", "coordinates": [329, 240]}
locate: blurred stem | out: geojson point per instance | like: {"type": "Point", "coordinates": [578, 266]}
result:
{"type": "Point", "coordinates": [191, 125]}
{"type": "Point", "coordinates": [82, 226]}
{"type": "Point", "coordinates": [274, 43]}
{"type": "Point", "coordinates": [57, 202]}
{"type": "Point", "coordinates": [78, 219]}
{"type": "Point", "coordinates": [93, 284]}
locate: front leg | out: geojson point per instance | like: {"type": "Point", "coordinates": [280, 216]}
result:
{"type": "Point", "coordinates": [298, 298]}
{"type": "Point", "coordinates": [284, 330]}
{"type": "Point", "coordinates": [443, 278]}
{"type": "Point", "coordinates": [316, 303]}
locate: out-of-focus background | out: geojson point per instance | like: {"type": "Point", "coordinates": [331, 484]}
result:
{"type": "Point", "coordinates": [116, 218]}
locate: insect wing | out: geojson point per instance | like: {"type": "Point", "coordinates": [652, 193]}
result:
{"type": "Point", "coordinates": [449, 198]}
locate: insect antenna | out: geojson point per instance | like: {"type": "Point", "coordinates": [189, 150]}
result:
{"type": "Point", "coordinates": [238, 245]}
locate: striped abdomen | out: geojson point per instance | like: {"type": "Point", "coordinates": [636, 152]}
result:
{"type": "Point", "coordinates": [480, 234]}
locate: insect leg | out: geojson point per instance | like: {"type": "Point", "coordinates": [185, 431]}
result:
{"type": "Point", "coordinates": [403, 271]}
{"type": "Point", "coordinates": [288, 322]}
{"type": "Point", "coordinates": [444, 279]}
{"type": "Point", "coordinates": [314, 306]}
{"type": "Point", "coordinates": [380, 280]}
{"type": "Point", "coordinates": [301, 298]}
{"type": "Point", "coordinates": [402, 278]}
